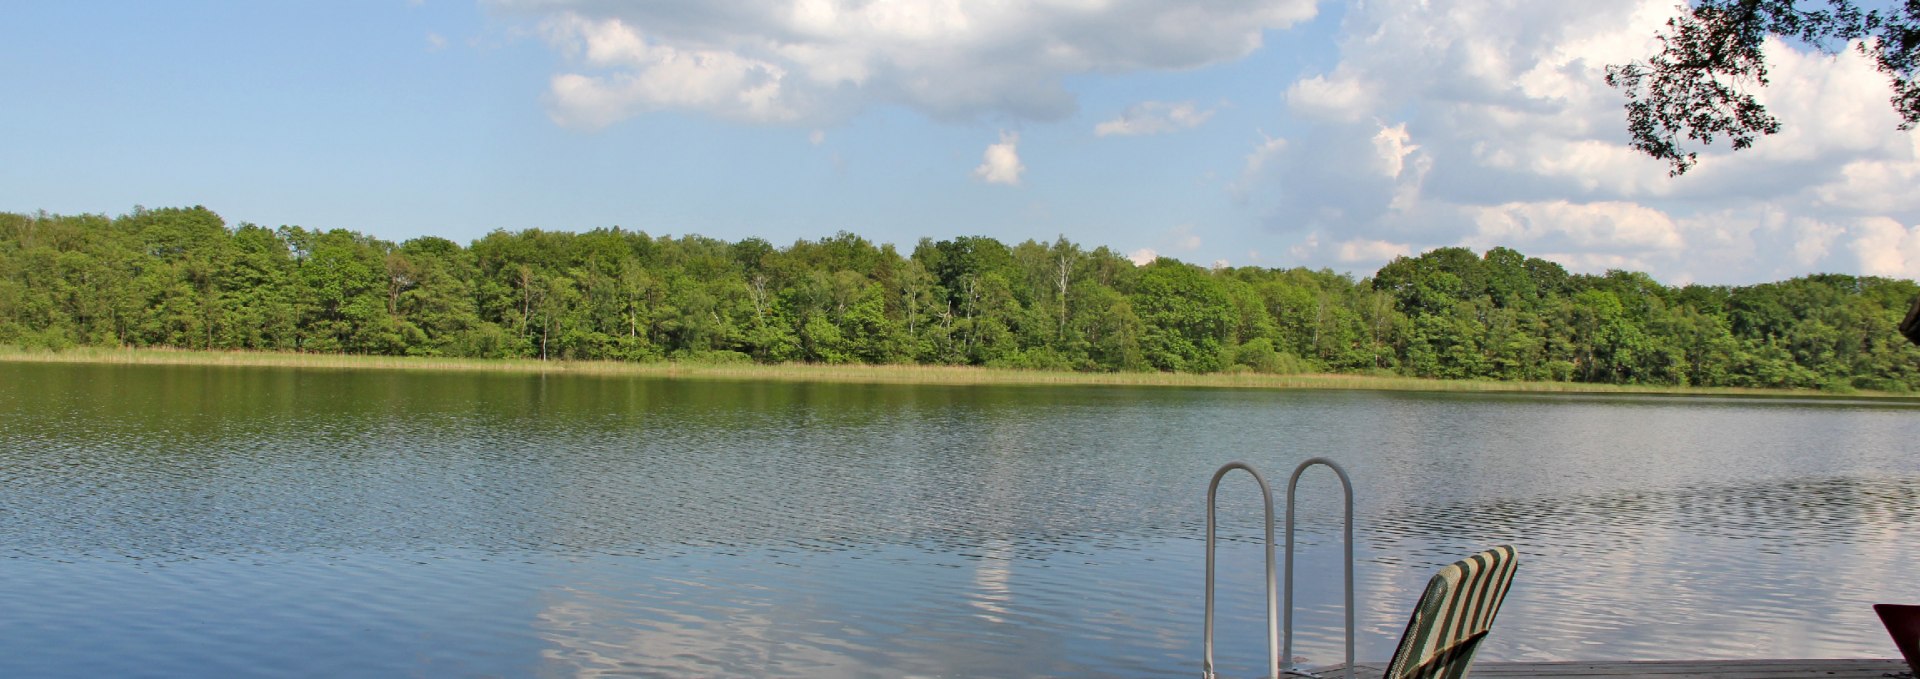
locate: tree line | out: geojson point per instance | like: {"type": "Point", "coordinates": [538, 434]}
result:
{"type": "Point", "coordinates": [180, 277]}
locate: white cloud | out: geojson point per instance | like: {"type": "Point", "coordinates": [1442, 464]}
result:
{"type": "Point", "coordinates": [1597, 262]}
{"type": "Point", "coordinates": [655, 77]}
{"type": "Point", "coordinates": [1887, 248]}
{"type": "Point", "coordinates": [1826, 104]}
{"type": "Point", "coordinates": [1399, 164]}
{"type": "Point", "coordinates": [1371, 251]}
{"type": "Point", "coordinates": [1813, 241]}
{"type": "Point", "coordinates": [1334, 100]}
{"type": "Point", "coordinates": [1488, 122]}
{"type": "Point", "coordinates": [1339, 177]}
{"type": "Point", "coordinates": [1877, 185]}
{"type": "Point", "coordinates": [1153, 117]}
{"type": "Point", "coordinates": [436, 42]}
{"type": "Point", "coordinates": [1001, 162]}
{"type": "Point", "coordinates": [1492, 85]}
{"type": "Point", "coordinates": [1143, 256]}
{"type": "Point", "coordinates": [817, 137]}
{"type": "Point", "coordinates": [780, 61]}
{"type": "Point", "coordinates": [1592, 166]}
{"type": "Point", "coordinates": [1393, 145]}
{"type": "Point", "coordinates": [1605, 226]}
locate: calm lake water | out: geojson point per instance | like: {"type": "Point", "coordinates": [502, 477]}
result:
{"type": "Point", "coordinates": [256, 522]}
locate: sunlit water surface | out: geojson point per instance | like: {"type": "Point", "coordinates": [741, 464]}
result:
{"type": "Point", "coordinates": [253, 522]}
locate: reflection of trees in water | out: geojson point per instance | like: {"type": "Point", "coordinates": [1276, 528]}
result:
{"type": "Point", "coordinates": [176, 463]}
{"type": "Point", "coordinates": [939, 483]}
{"type": "Point", "coordinates": [949, 479]}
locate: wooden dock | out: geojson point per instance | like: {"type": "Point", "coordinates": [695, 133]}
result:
{"type": "Point", "coordinates": [1666, 669]}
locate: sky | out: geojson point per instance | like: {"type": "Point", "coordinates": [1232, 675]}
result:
{"type": "Point", "coordinates": [1272, 133]}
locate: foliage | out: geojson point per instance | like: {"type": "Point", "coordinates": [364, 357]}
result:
{"type": "Point", "coordinates": [182, 278]}
{"type": "Point", "coordinates": [1708, 55]}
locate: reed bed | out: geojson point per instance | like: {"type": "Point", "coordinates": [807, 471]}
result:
{"type": "Point", "coordinates": [857, 374]}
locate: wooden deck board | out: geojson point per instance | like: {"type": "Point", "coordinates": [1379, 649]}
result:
{"type": "Point", "coordinates": [1665, 669]}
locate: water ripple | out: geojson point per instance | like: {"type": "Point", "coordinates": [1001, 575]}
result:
{"type": "Point", "coordinates": [192, 522]}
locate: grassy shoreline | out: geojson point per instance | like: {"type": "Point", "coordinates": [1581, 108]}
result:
{"type": "Point", "coordinates": [867, 374]}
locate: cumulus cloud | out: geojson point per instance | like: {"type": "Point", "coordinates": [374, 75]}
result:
{"type": "Point", "coordinates": [1330, 98]}
{"type": "Point", "coordinates": [1352, 175]}
{"type": "Point", "coordinates": [1877, 185]}
{"type": "Point", "coordinates": [780, 61]}
{"type": "Point", "coordinates": [1371, 251]}
{"type": "Point", "coordinates": [1392, 145]}
{"type": "Point", "coordinates": [1813, 241]}
{"type": "Point", "coordinates": [1001, 162]}
{"type": "Point", "coordinates": [1887, 248]}
{"type": "Point", "coordinates": [1588, 226]}
{"type": "Point", "coordinates": [1142, 256]}
{"type": "Point", "coordinates": [1505, 97]}
{"type": "Point", "coordinates": [1153, 117]}
{"type": "Point", "coordinates": [1594, 262]}
{"type": "Point", "coordinates": [648, 77]}
{"type": "Point", "coordinates": [436, 42]}
{"type": "Point", "coordinates": [1488, 122]}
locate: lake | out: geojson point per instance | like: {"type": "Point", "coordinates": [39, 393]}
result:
{"type": "Point", "coordinates": [186, 521]}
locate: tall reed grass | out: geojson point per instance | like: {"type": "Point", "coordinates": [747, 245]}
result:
{"type": "Point", "coordinates": [852, 374]}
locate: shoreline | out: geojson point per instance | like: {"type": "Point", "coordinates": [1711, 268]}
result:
{"type": "Point", "coordinates": [879, 374]}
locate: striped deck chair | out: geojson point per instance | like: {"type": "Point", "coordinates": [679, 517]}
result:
{"type": "Point", "coordinates": [1453, 616]}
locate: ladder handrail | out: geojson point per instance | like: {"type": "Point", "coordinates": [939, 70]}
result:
{"type": "Point", "coordinates": [1292, 484]}
{"type": "Point", "coordinates": [1273, 606]}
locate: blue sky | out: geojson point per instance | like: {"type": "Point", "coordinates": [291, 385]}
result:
{"type": "Point", "coordinates": [1268, 132]}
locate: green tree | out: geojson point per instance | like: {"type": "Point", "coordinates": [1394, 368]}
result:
{"type": "Point", "coordinates": [254, 303]}
{"type": "Point", "coordinates": [1695, 86]}
{"type": "Point", "coordinates": [179, 277]}
{"type": "Point", "coordinates": [1188, 316]}
{"type": "Point", "coordinates": [439, 299]}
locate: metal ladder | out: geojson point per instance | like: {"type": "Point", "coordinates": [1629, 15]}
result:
{"type": "Point", "coordinates": [1278, 646]}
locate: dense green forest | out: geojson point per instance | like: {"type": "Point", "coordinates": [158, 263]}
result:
{"type": "Point", "coordinates": [179, 277]}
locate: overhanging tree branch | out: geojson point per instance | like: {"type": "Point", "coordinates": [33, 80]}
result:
{"type": "Point", "coordinates": [1696, 88]}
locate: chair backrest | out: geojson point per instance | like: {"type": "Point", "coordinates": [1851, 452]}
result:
{"type": "Point", "coordinates": [1453, 615]}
